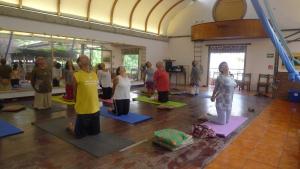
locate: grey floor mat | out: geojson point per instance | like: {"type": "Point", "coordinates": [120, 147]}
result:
{"type": "Point", "coordinates": [98, 145]}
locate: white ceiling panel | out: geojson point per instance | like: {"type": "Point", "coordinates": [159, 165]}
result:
{"type": "Point", "coordinates": [141, 12]}
{"type": "Point", "coordinates": [100, 10]}
{"type": "Point", "coordinates": [122, 12]}
{"type": "Point", "coordinates": [74, 7]}
{"type": "Point", "coordinates": [45, 5]}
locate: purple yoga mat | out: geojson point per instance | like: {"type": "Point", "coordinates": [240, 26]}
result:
{"type": "Point", "coordinates": [224, 130]}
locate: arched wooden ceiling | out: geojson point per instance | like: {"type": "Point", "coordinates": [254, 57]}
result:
{"type": "Point", "coordinates": [145, 15]}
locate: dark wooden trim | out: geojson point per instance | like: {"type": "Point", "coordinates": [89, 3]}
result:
{"type": "Point", "coordinates": [165, 14]}
{"type": "Point", "coordinates": [88, 11]}
{"type": "Point", "coordinates": [132, 11]}
{"type": "Point", "coordinates": [58, 7]}
{"type": "Point", "coordinates": [246, 44]}
{"type": "Point", "coordinates": [182, 36]}
{"type": "Point", "coordinates": [112, 12]}
{"type": "Point", "coordinates": [293, 34]}
{"type": "Point", "coordinates": [152, 9]}
{"type": "Point", "coordinates": [294, 40]}
{"type": "Point", "coordinates": [287, 30]}
{"type": "Point", "coordinates": [20, 4]}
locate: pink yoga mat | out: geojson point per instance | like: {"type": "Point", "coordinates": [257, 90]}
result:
{"type": "Point", "coordinates": [224, 130]}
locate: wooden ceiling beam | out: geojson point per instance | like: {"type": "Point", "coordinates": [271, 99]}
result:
{"type": "Point", "coordinates": [293, 34]}
{"type": "Point", "coordinates": [58, 7]}
{"type": "Point", "coordinates": [20, 4]}
{"type": "Point", "coordinates": [88, 11]}
{"type": "Point", "coordinates": [165, 14]}
{"type": "Point", "coordinates": [112, 12]}
{"type": "Point", "coordinates": [148, 16]}
{"type": "Point", "coordinates": [132, 12]}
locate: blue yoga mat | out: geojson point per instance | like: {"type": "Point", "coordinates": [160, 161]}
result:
{"type": "Point", "coordinates": [7, 129]}
{"type": "Point", "coordinates": [131, 118]}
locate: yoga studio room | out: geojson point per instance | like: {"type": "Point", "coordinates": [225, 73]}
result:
{"type": "Point", "coordinates": [149, 84]}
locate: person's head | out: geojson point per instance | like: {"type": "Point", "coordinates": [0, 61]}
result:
{"type": "Point", "coordinates": [194, 63]}
{"type": "Point", "coordinates": [148, 64]}
{"type": "Point", "coordinates": [69, 65]}
{"type": "Point", "coordinates": [41, 62]}
{"type": "Point", "coordinates": [160, 65]}
{"type": "Point", "coordinates": [83, 62]}
{"type": "Point", "coordinates": [223, 68]}
{"type": "Point", "coordinates": [3, 61]}
{"type": "Point", "coordinates": [57, 65]}
{"type": "Point", "coordinates": [20, 63]}
{"type": "Point", "coordinates": [102, 66]}
{"type": "Point", "coordinates": [121, 70]}
{"type": "Point", "coordinates": [15, 66]}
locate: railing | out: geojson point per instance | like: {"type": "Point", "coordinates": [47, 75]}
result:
{"type": "Point", "coordinates": [214, 72]}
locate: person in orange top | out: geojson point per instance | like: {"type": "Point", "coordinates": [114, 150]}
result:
{"type": "Point", "coordinates": [162, 84]}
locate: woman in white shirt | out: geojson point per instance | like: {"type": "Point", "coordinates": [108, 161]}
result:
{"type": "Point", "coordinates": [121, 92]}
{"type": "Point", "coordinates": [105, 81]}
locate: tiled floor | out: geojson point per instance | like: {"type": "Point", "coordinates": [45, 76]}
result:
{"type": "Point", "coordinates": [271, 141]}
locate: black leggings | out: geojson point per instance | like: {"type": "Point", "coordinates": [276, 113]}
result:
{"type": "Point", "coordinates": [107, 92]}
{"type": "Point", "coordinates": [87, 124]}
{"type": "Point", "coordinates": [163, 96]}
{"type": "Point", "coordinates": [121, 107]}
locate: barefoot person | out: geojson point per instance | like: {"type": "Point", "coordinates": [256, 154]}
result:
{"type": "Point", "coordinates": [195, 78]}
{"type": "Point", "coordinates": [223, 94]}
{"type": "Point", "coordinates": [68, 76]}
{"type": "Point", "coordinates": [5, 72]}
{"type": "Point", "coordinates": [86, 100]}
{"type": "Point", "coordinates": [161, 80]}
{"type": "Point", "coordinates": [121, 92]}
{"type": "Point", "coordinates": [104, 77]}
{"type": "Point", "coordinates": [41, 83]}
{"type": "Point", "coordinates": [149, 72]}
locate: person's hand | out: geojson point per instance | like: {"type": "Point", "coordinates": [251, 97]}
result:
{"type": "Point", "coordinates": [212, 99]}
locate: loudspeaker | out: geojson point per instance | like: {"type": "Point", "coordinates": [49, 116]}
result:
{"type": "Point", "coordinates": [168, 65]}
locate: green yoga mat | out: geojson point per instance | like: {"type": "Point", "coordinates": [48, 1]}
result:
{"type": "Point", "coordinates": [169, 103]}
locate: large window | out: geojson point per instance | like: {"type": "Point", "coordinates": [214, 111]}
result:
{"type": "Point", "coordinates": [233, 55]}
{"type": "Point", "coordinates": [131, 62]}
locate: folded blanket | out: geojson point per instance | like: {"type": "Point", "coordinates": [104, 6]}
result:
{"type": "Point", "coordinates": [172, 137]}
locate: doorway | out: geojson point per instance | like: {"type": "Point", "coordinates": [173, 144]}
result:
{"type": "Point", "coordinates": [131, 64]}
{"type": "Point", "coordinates": [235, 57]}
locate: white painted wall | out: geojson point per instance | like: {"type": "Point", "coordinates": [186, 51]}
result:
{"type": "Point", "coordinates": [182, 50]}
{"type": "Point", "coordinates": [155, 50]}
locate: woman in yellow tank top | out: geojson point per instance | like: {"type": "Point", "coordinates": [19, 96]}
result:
{"type": "Point", "coordinates": [87, 104]}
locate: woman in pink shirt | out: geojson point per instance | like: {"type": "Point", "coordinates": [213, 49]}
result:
{"type": "Point", "coordinates": [161, 80]}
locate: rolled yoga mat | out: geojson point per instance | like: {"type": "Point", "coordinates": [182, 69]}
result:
{"type": "Point", "coordinates": [131, 118]}
{"type": "Point", "coordinates": [7, 129]}
{"type": "Point", "coordinates": [61, 100]}
{"type": "Point", "coordinates": [97, 145]}
{"type": "Point", "coordinates": [224, 130]}
{"type": "Point", "coordinates": [171, 104]}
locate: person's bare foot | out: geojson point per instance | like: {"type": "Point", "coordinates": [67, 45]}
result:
{"type": "Point", "coordinates": [110, 109]}
{"type": "Point", "coordinates": [70, 128]}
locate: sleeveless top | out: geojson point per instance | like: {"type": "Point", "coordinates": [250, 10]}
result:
{"type": "Point", "coordinates": [104, 78]}
{"type": "Point", "coordinates": [122, 90]}
{"type": "Point", "coordinates": [87, 101]}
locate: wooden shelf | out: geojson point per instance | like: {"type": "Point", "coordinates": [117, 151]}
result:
{"type": "Point", "coordinates": [233, 29]}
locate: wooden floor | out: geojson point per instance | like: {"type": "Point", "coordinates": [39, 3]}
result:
{"type": "Point", "coordinates": [271, 141]}
{"type": "Point", "coordinates": [38, 149]}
